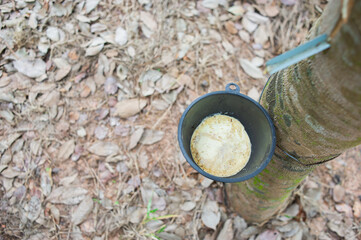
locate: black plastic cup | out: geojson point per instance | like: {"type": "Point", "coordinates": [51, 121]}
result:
{"type": "Point", "coordinates": [250, 113]}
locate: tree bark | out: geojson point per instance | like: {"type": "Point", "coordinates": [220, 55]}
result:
{"type": "Point", "coordinates": [316, 109]}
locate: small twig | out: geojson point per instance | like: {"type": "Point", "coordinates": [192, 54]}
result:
{"type": "Point", "coordinates": [161, 162]}
{"type": "Point", "coordinates": [162, 117]}
{"type": "Point", "coordinates": [10, 49]}
{"type": "Point", "coordinates": [94, 173]}
{"type": "Point", "coordinates": [68, 235]}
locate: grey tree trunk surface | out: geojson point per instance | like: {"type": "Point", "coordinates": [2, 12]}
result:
{"type": "Point", "coordinates": [316, 109]}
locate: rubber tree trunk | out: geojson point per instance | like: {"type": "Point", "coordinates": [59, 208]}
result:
{"type": "Point", "coordinates": [316, 109]}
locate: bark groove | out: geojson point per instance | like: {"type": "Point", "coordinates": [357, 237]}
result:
{"type": "Point", "coordinates": [316, 109]}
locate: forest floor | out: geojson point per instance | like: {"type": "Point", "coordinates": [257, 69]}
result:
{"type": "Point", "coordinates": [91, 93]}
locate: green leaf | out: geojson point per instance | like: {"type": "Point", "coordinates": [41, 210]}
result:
{"type": "Point", "coordinates": [149, 205]}
{"type": "Point", "coordinates": [154, 210]}
{"type": "Point", "coordinates": [161, 229]}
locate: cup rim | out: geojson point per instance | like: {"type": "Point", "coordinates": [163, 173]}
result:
{"type": "Point", "coordinates": [229, 179]}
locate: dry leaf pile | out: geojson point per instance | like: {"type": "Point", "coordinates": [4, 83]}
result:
{"type": "Point", "coordinates": [90, 97]}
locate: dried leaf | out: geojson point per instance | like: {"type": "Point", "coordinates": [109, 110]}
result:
{"type": "Point", "coordinates": [104, 148]}
{"type": "Point", "coordinates": [49, 98]}
{"type": "Point", "coordinates": [122, 130]}
{"type": "Point", "coordinates": [43, 87]}
{"type": "Point", "coordinates": [249, 25]}
{"type": "Point", "coordinates": [344, 208]}
{"type": "Point", "coordinates": [129, 107]}
{"type": "Point", "coordinates": [33, 23]}
{"type": "Point", "coordinates": [256, 18]}
{"type": "Point", "coordinates": [121, 36]}
{"type": "Point", "coordinates": [244, 36]}
{"type": "Point", "coordinates": [4, 81]}
{"type": "Point", "coordinates": [98, 27]}
{"type": "Point", "coordinates": [206, 182]}
{"type": "Point", "coordinates": [90, 5]}
{"type": "Point", "coordinates": [239, 225]}
{"type": "Point", "coordinates": [33, 208]}
{"type": "Point", "coordinates": [7, 115]}
{"type": "Point", "coordinates": [7, 97]}
{"type": "Point", "coordinates": [82, 211]}
{"type": "Point", "coordinates": [159, 203]}
{"type": "Point", "coordinates": [338, 193]}
{"type": "Point", "coordinates": [160, 104]}
{"type": "Point", "coordinates": [337, 227]}
{"type": "Point", "coordinates": [85, 91]}
{"type": "Point", "coordinates": [35, 147]}
{"type": "Point", "coordinates": [213, 34]}
{"type": "Point", "coordinates": [76, 234]}
{"type": "Point", "coordinates": [289, 2]}
{"type": "Point", "coordinates": [77, 152]}
{"type": "Point", "coordinates": [131, 51]}
{"type": "Point", "coordinates": [151, 136]}
{"type": "Point", "coordinates": [148, 20]}
{"type": "Point", "coordinates": [68, 180]}
{"type": "Point", "coordinates": [66, 150]}
{"type": "Point", "coordinates": [2, 167]}
{"type": "Point", "coordinates": [110, 86]}
{"type": "Point", "coordinates": [101, 132]}
{"type": "Point", "coordinates": [166, 83]}
{"type": "Point", "coordinates": [31, 68]}
{"type": "Point", "coordinates": [227, 231]}
{"type": "Point", "coordinates": [154, 225]}
{"type": "Point", "coordinates": [81, 132]}
{"type": "Point", "coordinates": [10, 173]}
{"type": "Point", "coordinates": [134, 139]}
{"type": "Point", "coordinates": [188, 206]}
{"type": "Point", "coordinates": [137, 215]}
{"type": "Point", "coordinates": [290, 212]}
{"type": "Point", "coordinates": [257, 61]}
{"type": "Point", "coordinates": [55, 212]}
{"type": "Point", "coordinates": [95, 46]}
{"type": "Point", "coordinates": [20, 192]}
{"type": "Point", "coordinates": [63, 68]}
{"type": "Point", "coordinates": [268, 235]}
{"type": "Point", "coordinates": [7, 140]}
{"type": "Point", "coordinates": [181, 25]}
{"type": "Point", "coordinates": [228, 46]}
{"type": "Point", "coordinates": [211, 4]}
{"type": "Point", "coordinates": [357, 209]}
{"type": "Point", "coordinates": [88, 228]}
{"type": "Point", "coordinates": [83, 19]}
{"type": "Point", "coordinates": [67, 195]}
{"type": "Point", "coordinates": [54, 34]}
{"type": "Point", "coordinates": [211, 214]}
{"type": "Point", "coordinates": [260, 35]}
{"type": "Point", "coordinates": [229, 25]}
{"type": "Point", "coordinates": [43, 45]}
{"type": "Point", "coordinates": [148, 80]}
{"type": "Point", "coordinates": [186, 80]}
{"type": "Point", "coordinates": [248, 232]}
{"type": "Point", "coordinates": [146, 31]}
{"type": "Point", "coordinates": [253, 93]}
{"type": "Point", "coordinates": [250, 69]}
{"type": "Point", "coordinates": [272, 10]}
{"type": "Point", "coordinates": [290, 229]}
{"type": "Point", "coordinates": [46, 183]}
{"type": "Point", "coordinates": [143, 159]}
{"type": "Point", "coordinates": [236, 10]}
